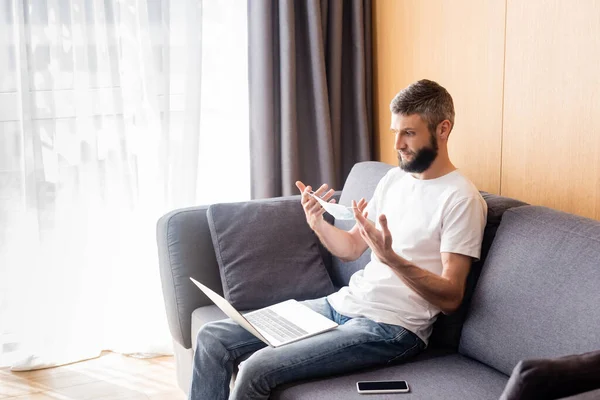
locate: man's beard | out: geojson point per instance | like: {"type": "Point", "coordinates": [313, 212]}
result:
{"type": "Point", "coordinates": [422, 159]}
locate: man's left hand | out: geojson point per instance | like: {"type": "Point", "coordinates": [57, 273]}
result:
{"type": "Point", "coordinates": [380, 242]}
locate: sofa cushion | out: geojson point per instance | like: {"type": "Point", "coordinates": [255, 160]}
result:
{"type": "Point", "coordinates": [537, 296]}
{"type": "Point", "coordinates": [429, 378]}
{"type": "Point", "coordinates": [554, 378]}
{"type": "Point", "coordinates": [204, 315]}
{"type": "Point", "coordinates": [361, 182]}
{"type": "Point", "coordinates": [447, 328]}
{"type": "Point", "coordinates": [267, 253]}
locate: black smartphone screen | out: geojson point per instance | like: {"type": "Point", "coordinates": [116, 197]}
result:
{"type": "Point", "coordinates": [383, 385]}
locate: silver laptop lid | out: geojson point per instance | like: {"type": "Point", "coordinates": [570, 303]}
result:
{"type": "Point", "coordinates": [230, 311]}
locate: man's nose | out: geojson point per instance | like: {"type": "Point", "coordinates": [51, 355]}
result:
{"type": "Point", "coordinates": [400, 142]}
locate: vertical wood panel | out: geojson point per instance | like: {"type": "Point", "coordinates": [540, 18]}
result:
{"type": "Point", "coordinates": [459, 44]}
{"type": "Point", "coordinates": [551, 142]}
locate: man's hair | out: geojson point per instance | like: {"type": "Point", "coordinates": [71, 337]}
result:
{"type": "Point", "coordinates": [428, 99]}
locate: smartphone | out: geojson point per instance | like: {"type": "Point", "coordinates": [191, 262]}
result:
{"type": "Point", "coordinates": [368, 387]}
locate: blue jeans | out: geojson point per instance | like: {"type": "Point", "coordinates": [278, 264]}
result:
{"type": "Point", "coordinates": [357, 343]}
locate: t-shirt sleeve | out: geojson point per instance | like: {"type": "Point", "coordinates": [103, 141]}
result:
{"type": "Point", "coordinates": [462, 227]}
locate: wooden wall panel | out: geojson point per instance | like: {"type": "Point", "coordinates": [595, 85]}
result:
{"type": "Point", "coordinates": [459, 44]}
{"type": "Point", "coordinates": [551, 139]}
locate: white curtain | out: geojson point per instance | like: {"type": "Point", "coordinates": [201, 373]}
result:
{"type": "Point", "coordinates": [112, 113]}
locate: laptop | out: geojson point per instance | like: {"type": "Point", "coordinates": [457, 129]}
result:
{"type": "Point", "coordinates": [276, 325]}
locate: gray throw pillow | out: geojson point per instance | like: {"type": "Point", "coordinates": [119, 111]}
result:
{"type": "Point", "coordinates": [267, 253]}
{"type": "Point", "coordinates": [554, 378]}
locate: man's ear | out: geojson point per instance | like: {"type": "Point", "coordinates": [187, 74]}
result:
{"type": "Point", "coordinates": [444, 129]}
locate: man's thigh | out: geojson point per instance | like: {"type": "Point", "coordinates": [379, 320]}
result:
{"type": "Point", "coordinates": [234, 338]}
{"type": "Point", "coordinates": [359, 343]}
{"type": "Point", "coordinates": [321, 306]}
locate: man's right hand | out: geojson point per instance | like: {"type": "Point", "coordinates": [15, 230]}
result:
{"type": "Point", "coordinates": [312, 209]}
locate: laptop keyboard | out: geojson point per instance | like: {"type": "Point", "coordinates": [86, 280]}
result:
{"type": "Point", "coordinates": [276, 325]}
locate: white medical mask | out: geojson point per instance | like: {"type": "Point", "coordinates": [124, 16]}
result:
{"type": "Point", "coordinates": [336, 210]}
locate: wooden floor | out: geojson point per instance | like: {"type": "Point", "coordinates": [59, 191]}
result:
{"type": "Point", "coordinates": [109, 377]}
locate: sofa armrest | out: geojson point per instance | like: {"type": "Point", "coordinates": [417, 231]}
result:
{"type": "Point", "coordinates": [185, 249]}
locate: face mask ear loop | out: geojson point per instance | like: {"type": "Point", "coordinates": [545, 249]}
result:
{"type": "Point", "coordinates": [312, 193]}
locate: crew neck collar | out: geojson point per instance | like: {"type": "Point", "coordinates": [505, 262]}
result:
{"type": "Point", "coordinates": [433, 180]}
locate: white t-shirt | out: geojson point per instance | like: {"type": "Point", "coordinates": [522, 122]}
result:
{"type": "Point", "coordinates": [426, 218]}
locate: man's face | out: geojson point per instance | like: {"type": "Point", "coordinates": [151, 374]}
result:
{"type": "Point", "coordinates": [417, 148]}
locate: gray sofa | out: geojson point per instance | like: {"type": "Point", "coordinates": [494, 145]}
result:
{"type": "Point", "coordinates": [535, 294]}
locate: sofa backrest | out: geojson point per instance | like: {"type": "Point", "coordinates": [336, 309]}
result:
{"type": "Point", "coordinates": [539, 292]}
{"type": "Point", "coordinates": [361, 182]}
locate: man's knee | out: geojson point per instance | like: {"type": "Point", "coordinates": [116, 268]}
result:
{"type": "Point", "coordinates": [208, 336]}
{"type": "Point", "coordinates": [254, 373]}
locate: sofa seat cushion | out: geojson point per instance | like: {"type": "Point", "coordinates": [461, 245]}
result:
{"type": "Point", "coordinates": [429, 377]}
{"type": "Point", "coordinates": [204, 315]}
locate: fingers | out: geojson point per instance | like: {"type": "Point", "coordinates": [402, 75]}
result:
{"type": "Point", "coordinates": [309, 203]}
{"type": "Point", "coordinates": [384, 225]}
{"type": "Point", "coordinates": [387, 235]}
{"type": "Point", "coordinates": [361, 218]}
{"type": "Point", "coordinates": [319, 192]}
{"type": "Point", "coordinates": [301, 186]}
{"type": "Point", "coordinates": [358, 215]}
{"type": "Point", "coordinates": [314, 208]}
{"type": "Point", "coordinates": [359, 208]}
{"type": "Point", "coordinates": [319, 212]}
{"type": "Point", "coordinates": [355, 209]}
{"type": "Point", "coordinates": [362, 204]}
{"type": "Point", "coordinates": [328, 195]}
{"type": "Point", "coordinates": [306, 197]}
